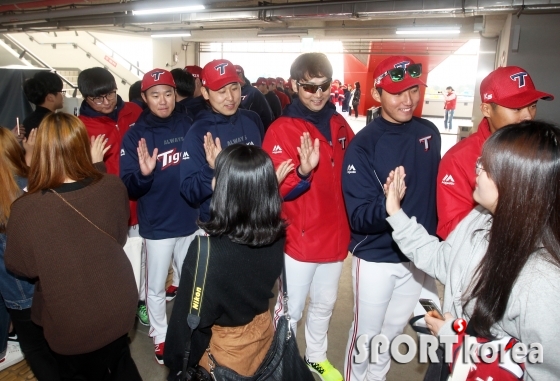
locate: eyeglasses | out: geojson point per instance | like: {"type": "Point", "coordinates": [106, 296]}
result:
{"type": "Point", "coordinates": [63, 92]}
{"type": "Point", "coordinates": [478, 166]}
{"type": "Point", "coordinates": [109, 96]}
{"type": "Point", "coordinates": [311, 88]}
{"type": "Point", "coordinates": [397, 74]}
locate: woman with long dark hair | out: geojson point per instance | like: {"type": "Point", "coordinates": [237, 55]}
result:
{"type": "Point", "coordinates": [85, 295]}
{"type": "Point", "coordinates": [501, 264]}
{"type": "Point", "coordinates": [246, 257]}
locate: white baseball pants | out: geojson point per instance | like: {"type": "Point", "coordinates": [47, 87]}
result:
{"type": "Point", "coordinates": [385, 295]}
{"type": "Point", "coordinates": [320, 281]}
{"type": "Point", "coordinates": [133, 232]}
{"type": "Point", "coordinates": [158, 258]}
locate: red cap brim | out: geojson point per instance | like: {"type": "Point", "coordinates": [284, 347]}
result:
{"type": "Point", "coordinates": [226, 80]}
{"type": "Point", "coordinates": [398, 87]}
{"type": "Point", "coordinates": [524, 99]}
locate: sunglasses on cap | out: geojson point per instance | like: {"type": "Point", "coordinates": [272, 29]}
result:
{"type": "Point", "coordinates": [311, 88]}
{"type": "Point", "coordinates": [397, 74]}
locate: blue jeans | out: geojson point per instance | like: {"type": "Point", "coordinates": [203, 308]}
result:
{"type": "Point", "coordinates": [448, 117]}
{"type": "Point", "coordinates": [15, 293]}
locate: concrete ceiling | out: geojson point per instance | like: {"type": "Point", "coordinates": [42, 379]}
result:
{"type": "Point", "coordinates": [351, 20]}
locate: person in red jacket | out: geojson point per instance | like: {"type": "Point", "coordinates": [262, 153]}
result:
{"type": "Point", "coordinates": [449, 107]}
{"type": "Point", "coordinates": [314, 136]}
{"type": "Point", "coordinates": [508, 96]}
{"type": "Point", "coordinates": [284, 99]}
{"type": "Point", "coordinates": [103, 112]}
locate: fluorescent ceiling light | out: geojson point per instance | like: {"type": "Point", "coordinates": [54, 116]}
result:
{"type": "Point", "coordinates": [281, 32]}
{"type": "Point", "coordinates": [429, 30]}
{"type": "Point", "coordinates": [159, 11]}
{"type": "Point", "coordinates": [171, 34]}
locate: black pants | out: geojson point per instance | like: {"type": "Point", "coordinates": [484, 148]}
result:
{"type": "Point", "coordinates": [355, 107]}
{"type": "Point", "coordinates": [110, 363]}
{"type": "Point", "coordinates": [34, 346]}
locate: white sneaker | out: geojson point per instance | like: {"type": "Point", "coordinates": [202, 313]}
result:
{"type": "Point", "coordinates": [13, 355]}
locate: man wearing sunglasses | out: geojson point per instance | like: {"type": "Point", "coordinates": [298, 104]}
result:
{"type": "Point", "coordinates": [508, 96]}
{"type": "Point", "coordinates": [386, 284]}
{"type": "Point", "coordinates": [314, 137]}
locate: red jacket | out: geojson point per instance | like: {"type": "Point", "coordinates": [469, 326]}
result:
{"type": "Point", "coordinates": [284, 99]}
{"type": "Point", "coordinates": [114, 132]}
{"type": "Point", "coordinates": [456, 180]}
{"type": "Point", "coordinates": [318, 229]}
{"type": "Point", "coordinates": [450, 101]}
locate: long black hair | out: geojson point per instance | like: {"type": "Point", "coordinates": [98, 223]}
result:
{"type": "Point", "coordinates": [246, 203]}
{"type": "Point", "coordinates": [523, 160]}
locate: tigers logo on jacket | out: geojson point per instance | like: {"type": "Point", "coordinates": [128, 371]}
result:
{"type": "Point", "coordinates": [169, 158]}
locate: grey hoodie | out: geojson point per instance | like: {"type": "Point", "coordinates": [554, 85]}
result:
{"type": "Point", "coordinates": [533, 310]}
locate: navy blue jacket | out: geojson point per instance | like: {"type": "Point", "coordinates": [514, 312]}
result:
{"type": "Point", "coordinates": [162, 211]}
{"type": "Point", "coordinates": [252, 99]}
{"type": "Point", "coordinates": [375, 151]}
{"type": "Point", "coordinates": [243, 127]}
{"type": "Point", "coordinates": [194, 105]}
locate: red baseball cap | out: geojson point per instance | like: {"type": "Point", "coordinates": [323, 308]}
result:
{"type": "Point", "coordinates": [218, 73]}
{"type": "Point", "coordinates": [288, 83]}
{"type": "Point", "coordinates": [511, 87]}
{"type": "Point", "coordinates": [261, 81]}
{"type": "Point", "coordinates": [386, 83]}
{"type": "Point", "coordinates": [157, 77]}
{"type": "Point", "coordinates": [280, 81]}
{"type": "Point", "coordinates": [194, 70]}
{"type": "Point", "coordinates": [271, 81]}
{"type": "Point", "coordinates": [239, 69]}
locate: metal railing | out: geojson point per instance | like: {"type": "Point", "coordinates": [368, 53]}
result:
{"type": "Point", "coordinates": [22, 52]}
{"type": "Point", "coordinates": [90, 55]}
{"type": "Point", "coordinates": [139, 72]}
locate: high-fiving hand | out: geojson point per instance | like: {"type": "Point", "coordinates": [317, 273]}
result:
{"type": "Point", "coordinates": [98, 147]}
{"type": "Point", "coordinates": [283, 169]}
{"type": "Point", "coordinates": [308, 154]}
{"type": "Point", "coordinates": [147, 162]}
{"type": "Point", "coordinates": [395, 190]}
{"type": "Point", "coordinates": [212, 149]}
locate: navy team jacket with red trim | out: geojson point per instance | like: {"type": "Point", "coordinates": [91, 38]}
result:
{"type": "Point", "coordinates": [162, 210]}
{"type": "Point", "coordinates": [313, 208]}
{"type": "Point", "coordinates": [379, 148]}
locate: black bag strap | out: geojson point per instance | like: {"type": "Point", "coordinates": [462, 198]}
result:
{"type": "Point", "coordinates": [203, 257]}
{"type": "Point", "coordinates": [418, 328]}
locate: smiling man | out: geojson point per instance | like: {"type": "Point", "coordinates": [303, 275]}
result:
{"type": "Point", "coordinates": [386, 284]}
{"type": "Point", "coordinates": [223, 121]}
{"type": "Point", "coordinates": [149, 167]}
{"type": "Point", "coordinates": [508, 96]}
{"type": "Point", "coordinates": [314, 136]}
